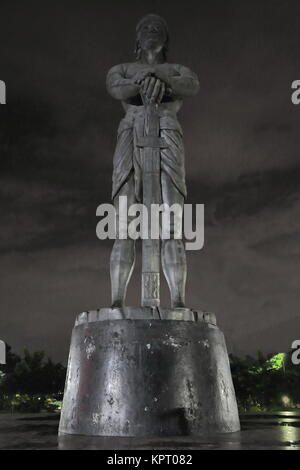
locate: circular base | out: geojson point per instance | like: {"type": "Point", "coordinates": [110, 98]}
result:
{"type": "Point", "coordinates": [145, 313]}
{"type": "Point", "coordinates": [148, 378]}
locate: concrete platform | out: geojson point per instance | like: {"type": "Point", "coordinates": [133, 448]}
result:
{"type": "Point", "coordinates": [263, 431]}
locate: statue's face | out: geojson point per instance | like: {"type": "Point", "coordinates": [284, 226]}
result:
{"type": "Point", "coordinates": [152, 36]}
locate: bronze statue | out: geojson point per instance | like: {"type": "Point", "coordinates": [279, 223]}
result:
{"type": "Point", "coordinates": [137, 371]}
{"type": "Point", "coordinates": [151, 91]}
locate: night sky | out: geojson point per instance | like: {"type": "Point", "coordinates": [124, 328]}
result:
{"type": "Point", "coordinates": [57, 138]}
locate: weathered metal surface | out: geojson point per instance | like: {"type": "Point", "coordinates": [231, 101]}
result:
{"type": "Point", "coordinates": [152, 141]}
{"type": "Point", "coordinates": [145, 313]}
{"type": "Point", "coordinates": [148, 378]}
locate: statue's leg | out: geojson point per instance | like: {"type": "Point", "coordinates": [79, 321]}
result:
{"type": "Point", "coordinates": [123, 252]}
{"type": "Point", "coordinates": [173, 252]}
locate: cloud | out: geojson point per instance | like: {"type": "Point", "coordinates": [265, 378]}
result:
{"type": "Point", "coordinates": [57, 138]}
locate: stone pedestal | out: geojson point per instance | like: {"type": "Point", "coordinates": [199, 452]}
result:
{"type": "Point", "coordinates": [148, 372]}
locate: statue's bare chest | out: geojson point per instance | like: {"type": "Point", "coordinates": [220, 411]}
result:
{"type": "Point", "coordinates": [131, 69]}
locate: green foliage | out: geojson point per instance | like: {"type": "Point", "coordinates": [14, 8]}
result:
{"type": "Point", "coordinates": [24, 403]}
{"type": "Point", "coordinates": [32, 383]}
{"type": "Point", "coordinates": [266, 382]}
{"type": "Point", "coordinates": [277, 361]}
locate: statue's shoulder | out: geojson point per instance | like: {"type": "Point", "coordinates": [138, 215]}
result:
{"type": "Point", "coordinates": [116, 68]}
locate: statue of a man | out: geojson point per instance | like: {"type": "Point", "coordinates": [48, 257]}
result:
{"type": "Point", "coordinates": [150, 79]}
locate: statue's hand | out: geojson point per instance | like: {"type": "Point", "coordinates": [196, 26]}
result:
{"type": "Point", "coordinates": [163, 76]}
{"type": "Point", "coordinates": [152, 90]}
{"type": "Point", "coordinates": [140, 76]}
{"type": "Point", "coordinates": [158, 91]}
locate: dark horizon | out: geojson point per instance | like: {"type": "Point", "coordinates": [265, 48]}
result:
{"type": "Point", "coordinates": [57, 138]}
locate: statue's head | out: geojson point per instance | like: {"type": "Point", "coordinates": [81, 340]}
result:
{"type": "Point", "coordinates": [152, 34]}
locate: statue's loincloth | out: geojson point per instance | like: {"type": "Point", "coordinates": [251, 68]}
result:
{"type": "Point", "coordinates": [127, 156]}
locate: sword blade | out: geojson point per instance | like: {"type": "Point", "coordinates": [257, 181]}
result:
{"type": "Point", "coordinates": [151, 195]}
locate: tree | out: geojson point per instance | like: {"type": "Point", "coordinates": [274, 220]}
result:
{"type": "Point", "coordinates": [32, 382]}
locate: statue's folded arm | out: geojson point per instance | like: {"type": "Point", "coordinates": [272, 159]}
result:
{"type": "Point", "coordinates": [185, 83]}
{"type": "Point", "coordinates": [118, 86]}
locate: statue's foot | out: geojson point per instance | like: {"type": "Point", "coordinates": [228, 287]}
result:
{"type": "Point", "coordinates": [117, 304]}
{"type": "Point", "coordinates": [178, 304]}
{"type": "Point", "coordinates": [118, 308]}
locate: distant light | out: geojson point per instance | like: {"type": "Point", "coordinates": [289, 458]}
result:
{"type": "Point", "coordinates": [285, 400]}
